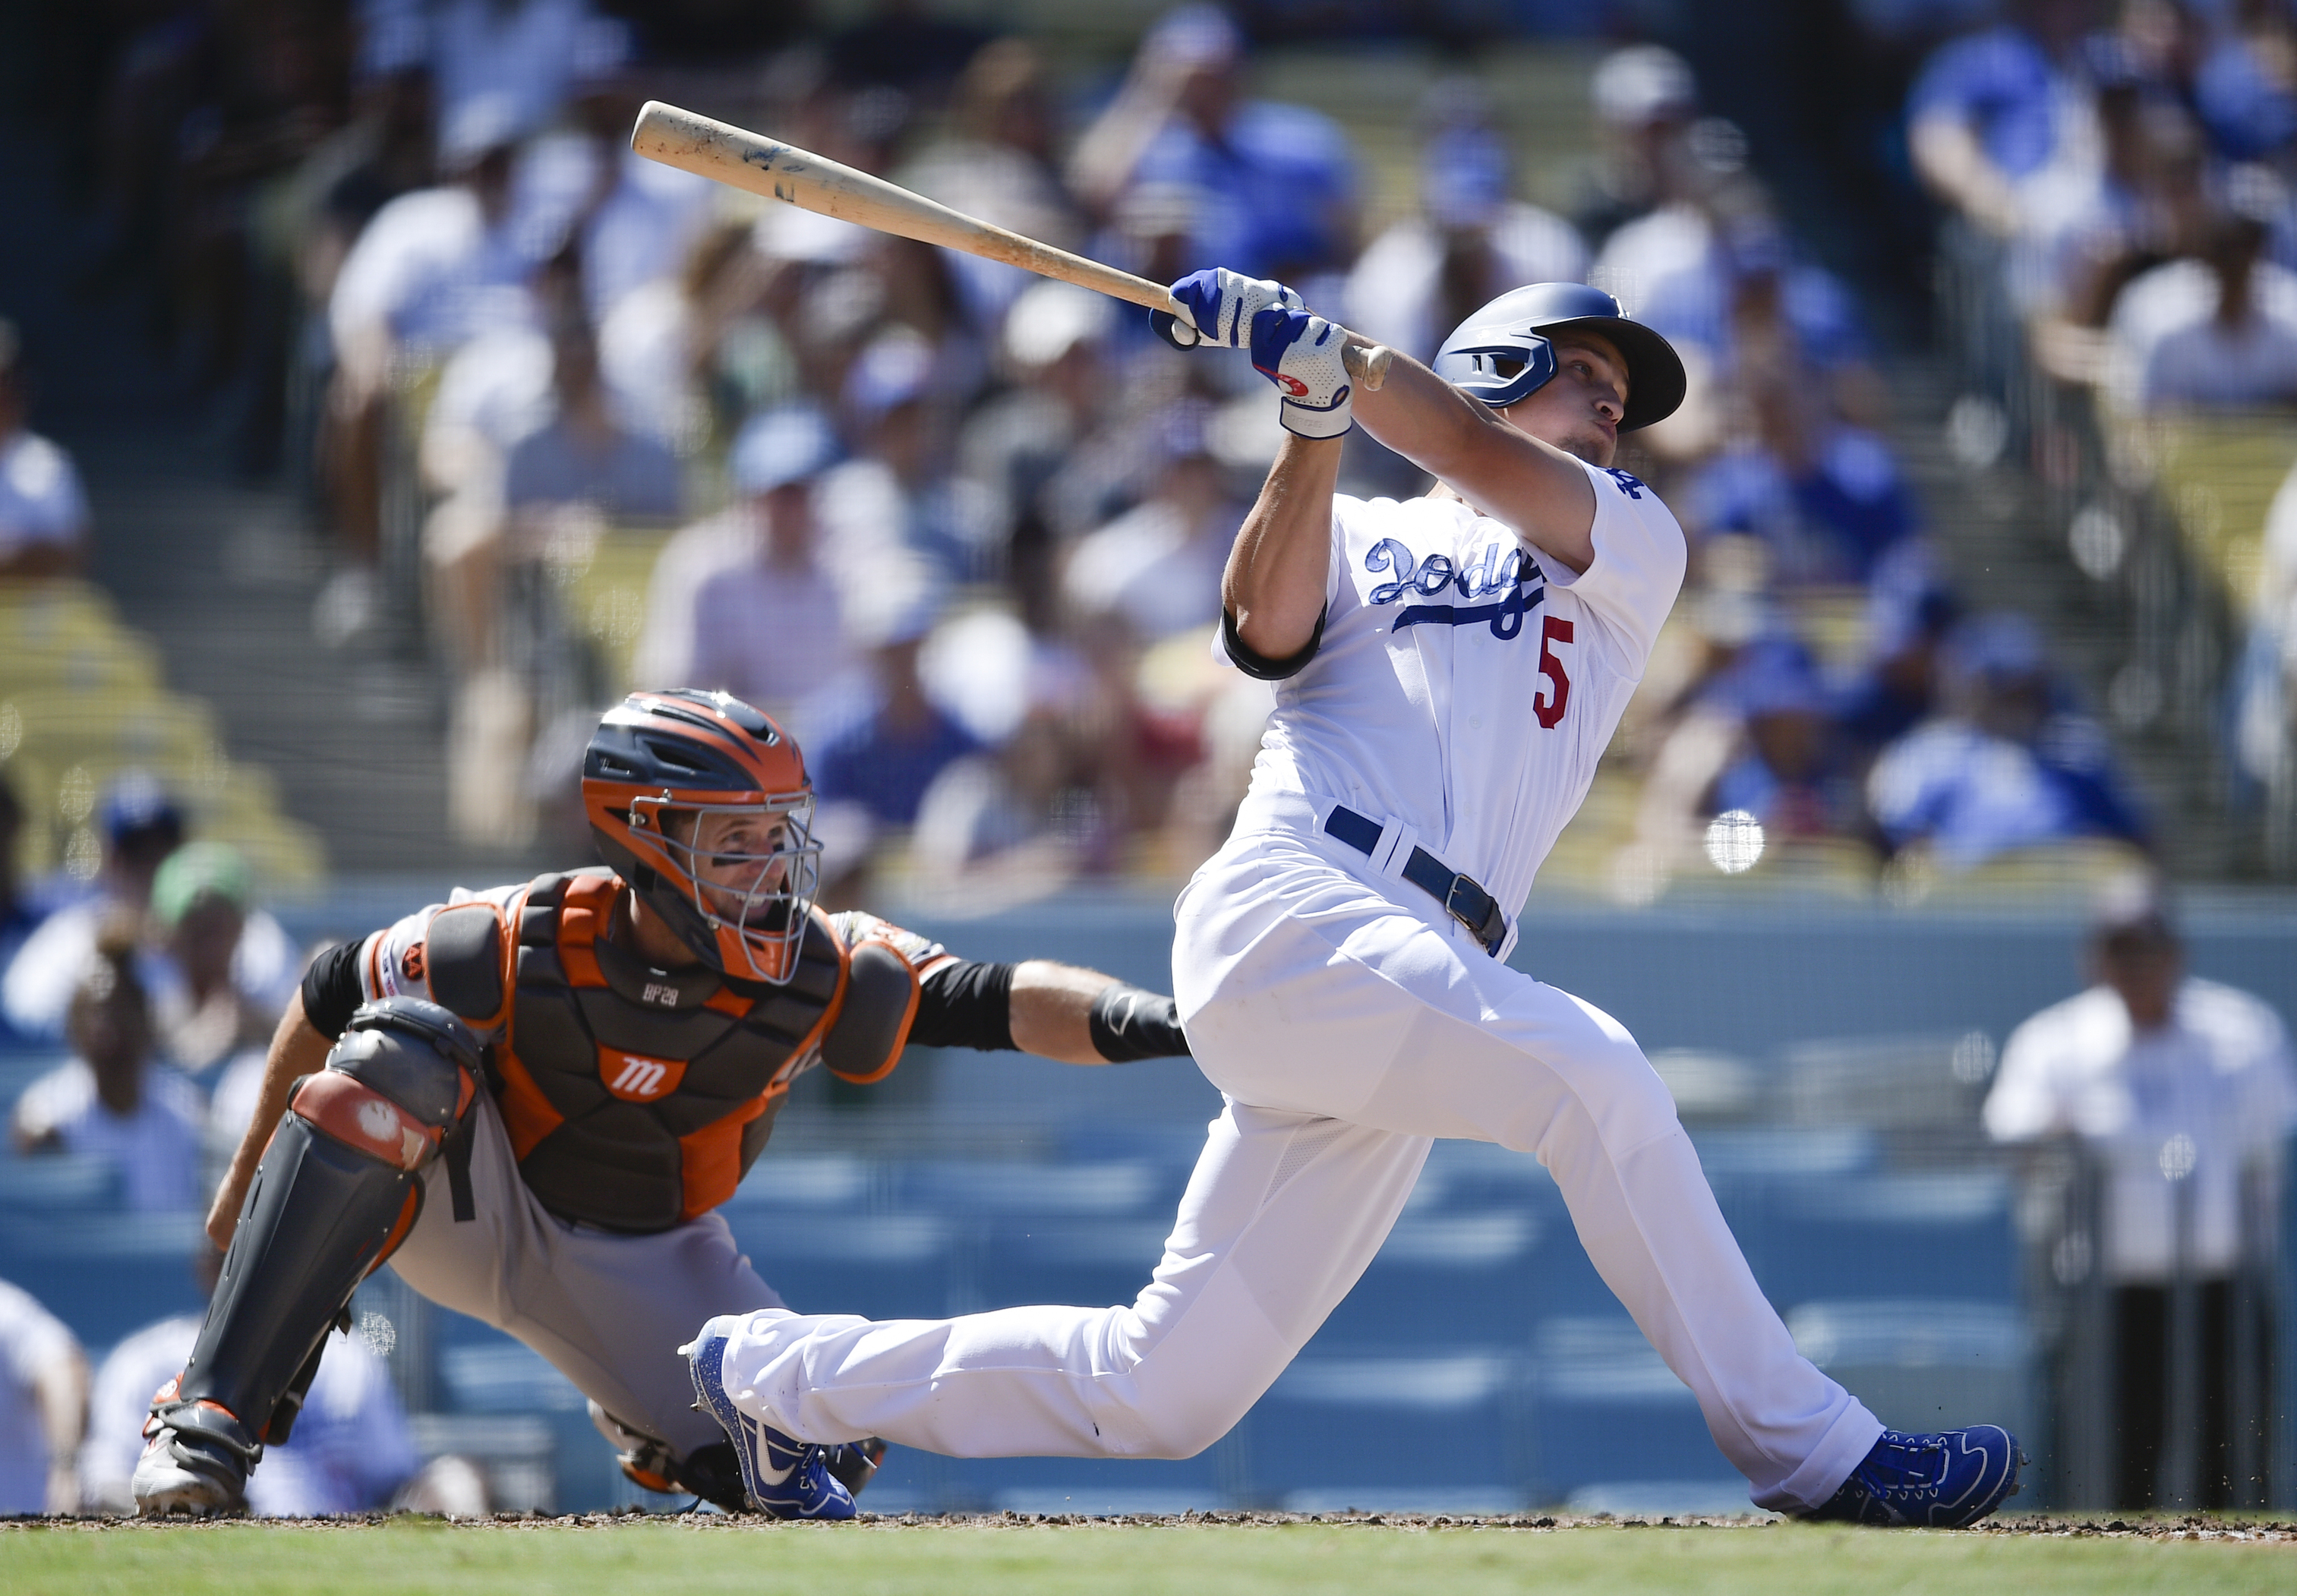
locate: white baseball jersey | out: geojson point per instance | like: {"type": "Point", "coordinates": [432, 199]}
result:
{"type": "Point", "coordinates": [1465, 686]}
{"type": "Point", "coordinates": [1464, 691]}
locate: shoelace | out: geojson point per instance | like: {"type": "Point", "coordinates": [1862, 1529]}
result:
{"type": "Point", "coordinates": [1885, 1476]}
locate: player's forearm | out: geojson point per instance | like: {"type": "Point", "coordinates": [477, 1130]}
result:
{"type": "Point", "coordinates": [1082, 1017]}
{"type": "Point", "coordinates": [1282, 561]}
{"type": "Point", "coordinates": [297, 1049]}
{"type": "Point", "coordinates": [1504, 473]}
{"type": "Point", "coordinates": [1051, 1010]}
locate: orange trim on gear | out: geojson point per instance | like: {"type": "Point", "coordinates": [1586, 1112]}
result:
{"type": "Point", "coordinates": [645, 1479]}
{"type": "Point", "coordinates": [908, 1018]}
{"type": "Point", "coordinates": [710, 1160]}
{"type": "Point", "coordinates": [528, 1116]}
{"type": "Point", "coordinates": [584, 914]}
{"type": "Point", "coordinates": [408, 1215]}
{"type": "Point", "coordinates": [357, 1116]}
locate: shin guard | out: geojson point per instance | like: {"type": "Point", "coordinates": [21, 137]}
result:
{"type": "Point", "coordinates": [336, 1192]}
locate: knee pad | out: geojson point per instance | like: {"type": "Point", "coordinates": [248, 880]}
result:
{"type": "Point", "coordinates": [336, 1191]}
{"type": "Point", "coordinates": [404, 1073]}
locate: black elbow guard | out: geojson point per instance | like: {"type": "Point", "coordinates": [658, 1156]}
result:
{"type": "Point", "coordinates": [964, 1004]}
{"type": "Point", "coordinates": [1254, 664]}
{"type": "Point", "coordinates": [332, 992]}
{"type": "Point", "coordinates": [1129, 1024]}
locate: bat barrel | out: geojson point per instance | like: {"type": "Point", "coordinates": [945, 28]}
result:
{"type": "Point", "coordinates": [736, 156]}
{"type": "Point", "coordinates": [763, 166]}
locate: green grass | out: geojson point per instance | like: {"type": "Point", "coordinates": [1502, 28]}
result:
{"type": "Point", "coordinates": [693, 1557]}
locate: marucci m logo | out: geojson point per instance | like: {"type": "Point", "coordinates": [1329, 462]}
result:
{"type": "Point", "coordinates": [641, 1077]}
{"type": "Point", "coordinates": [635, 1078]}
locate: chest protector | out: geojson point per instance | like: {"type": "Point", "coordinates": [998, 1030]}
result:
{"type": "Point", "coordinates": [636, 1098]}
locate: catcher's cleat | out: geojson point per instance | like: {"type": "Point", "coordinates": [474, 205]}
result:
{"type": "Point", "coordinates": [784, 1476]}
{"type": "Point", "coordinates": [1948, 1481]}
{"type": "Point", "coordinates": [854, 1463]}
{"type": "Point", "coordinates": [195, 1460]}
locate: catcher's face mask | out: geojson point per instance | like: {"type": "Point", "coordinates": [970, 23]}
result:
{"type": "Point", "coordinates": [750, 870]}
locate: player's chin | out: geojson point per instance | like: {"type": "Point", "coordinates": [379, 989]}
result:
{"type": "Point", "coordinates": [1590, 444]}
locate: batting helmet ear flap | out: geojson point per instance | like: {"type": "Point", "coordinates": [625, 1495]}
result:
{"type": "Point", "coordinates": [1500, 373]}
{"type": "Point", "coordinates": [1472, 359]}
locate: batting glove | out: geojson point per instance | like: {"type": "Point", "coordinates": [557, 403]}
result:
{"type": "Point", "coordinates": [1217, 308]}
{"type": "Point", "coordinates": [1301, 354]}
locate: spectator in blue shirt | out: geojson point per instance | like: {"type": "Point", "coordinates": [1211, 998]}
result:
{"type": "Point", "coordinates": [1993, 108]}
{"type": "Point", "coordinates": [1825, 497]}
{"type": "Point", "coordinates": [884, 760]}
{"type": "Point", "coordinates": [2243, 90]}
{"type": "Point", "coordinates": [2011, 766]}
{"type": "Point", "coordinates": [1910, 611]}
{"type": "Point", "coordinates": [1277, 183]}
{"type": "Point", "coordinates": [1787, 774]}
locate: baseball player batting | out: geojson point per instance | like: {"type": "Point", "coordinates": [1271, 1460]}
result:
{"type": "Point", "coordinates": [532, 1100]}
{"type": "Point", "coordinates": [1450, 671]}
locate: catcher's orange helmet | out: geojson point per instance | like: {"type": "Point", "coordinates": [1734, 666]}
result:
{"type": "Point", "coordinates": [658, 765]}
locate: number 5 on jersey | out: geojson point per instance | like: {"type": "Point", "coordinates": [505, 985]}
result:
{"type": "Point", "coordinates": [1550, 706]}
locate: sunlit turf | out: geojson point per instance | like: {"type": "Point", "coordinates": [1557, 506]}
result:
{"type": "Point", "coordinates": [1012, 1559]}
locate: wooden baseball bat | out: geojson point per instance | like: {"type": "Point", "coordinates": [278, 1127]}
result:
{"type": "Point", "coordinates": [748, 161]}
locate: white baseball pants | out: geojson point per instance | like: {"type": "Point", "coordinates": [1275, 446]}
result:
{"type": "Point", "coordinates": [1347, 1026]}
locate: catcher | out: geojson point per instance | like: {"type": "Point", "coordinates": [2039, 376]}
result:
{"type": "Point", "coordinates": [532, 1100]}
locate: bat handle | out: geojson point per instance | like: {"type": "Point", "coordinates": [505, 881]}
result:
{"type": "Point", "coordinates": [1367, 365]}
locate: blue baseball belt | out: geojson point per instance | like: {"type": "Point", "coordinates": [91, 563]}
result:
{"type": "Point", "coordinates": [1462, 896]}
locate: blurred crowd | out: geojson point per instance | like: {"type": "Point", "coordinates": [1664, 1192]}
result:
{"type": "Point", "coordinates": [161, 980]}
{"type": "Point", "coordinates": [2118, 178]}
{"type": "Point", "coordinates": [962, 529]}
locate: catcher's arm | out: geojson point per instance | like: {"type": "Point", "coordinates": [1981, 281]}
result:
{"type": "Point", "coordinates": [1082, 1017]}
{"type": "Point", "coordinates": [298, 1049]}
{"type": "Point", "coordinates": [1054, 1010]}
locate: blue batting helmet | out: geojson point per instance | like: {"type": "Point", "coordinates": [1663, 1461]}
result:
{"type": "Point", "coordinates": [1501, 354]}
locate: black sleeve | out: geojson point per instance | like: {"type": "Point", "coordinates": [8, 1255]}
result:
{"type": "Point", "coordinates": [1128, 1023]}
{"type": "Point", "coordinates": [1259, 665]}
{"type": "Point", "coordinates": [964, 1004]}
{"type": "Point", "coordinates": [332, 989]}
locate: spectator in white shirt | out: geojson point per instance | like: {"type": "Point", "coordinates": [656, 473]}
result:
{"type": "Point", "coordinates": [1157, 568]}
{"type": "Point", "coordinates": [769, 627]}
{"type": "Point", "coordinates": [2214, 333]}
{"type": "Point", "coordinates": [141, 826]}
{"type": "Point", "coordinates": [432, 269]}
{"type": "Point", "coordinates": [110, 1102]}
{"type": "Point", "coordinates": [143, 829]}
{"type": "Point", "coordinates": [1468, 243]}
{"type": "Point", "coordinates": [43, 1407]}
{"type": "Point", "coordinates": [2183, 1093]}
{"type": "Point", "coordinates": [43, 509]}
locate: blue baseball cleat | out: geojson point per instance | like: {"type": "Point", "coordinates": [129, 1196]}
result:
{"type": "Point", "coordinates": [785, 1478]}
{"type": "Point", "coordinates": [1948, 1481]}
